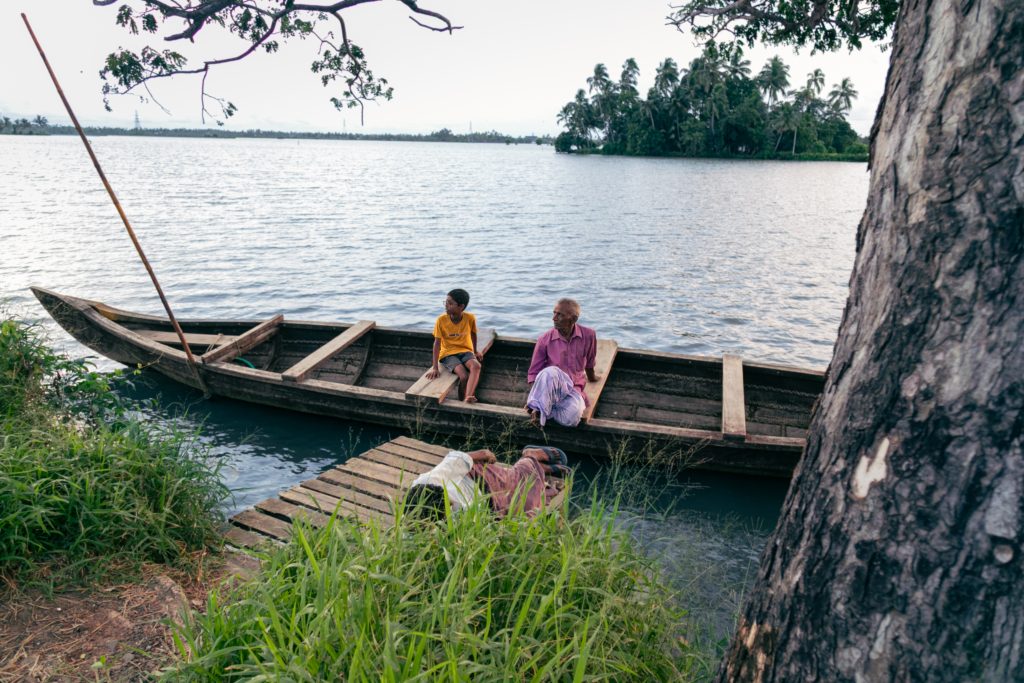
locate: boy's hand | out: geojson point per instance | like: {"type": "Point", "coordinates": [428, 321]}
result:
{"type": "Point", "coordinates": [432, 373]}
{"type": "Point", "coordinates": [479, 356]}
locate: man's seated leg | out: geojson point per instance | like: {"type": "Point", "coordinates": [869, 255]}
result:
{"type": "Point", "coordinates": [551, 388]}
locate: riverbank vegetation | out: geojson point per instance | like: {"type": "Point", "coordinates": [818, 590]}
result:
{"type": "Point", "coordinates": [547, 598]}
{"type": "Point", "coordinates": [85, 489]}
{"type": "Point", "coordinates": [87, 492]}
{"type": "Point", "coordinates": [41, 126]}
{"type": "Point", "coordinates": [713, 108]}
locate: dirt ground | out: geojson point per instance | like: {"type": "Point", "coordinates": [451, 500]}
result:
{"type": "Point", "coordinates": [110, 633]}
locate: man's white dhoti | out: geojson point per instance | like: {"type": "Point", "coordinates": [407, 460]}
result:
{"type": "Point", "coordinates": [554, 397]}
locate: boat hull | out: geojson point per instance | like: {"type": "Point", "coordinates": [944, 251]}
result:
{"type": "Point", "coordinates": [364, 382]}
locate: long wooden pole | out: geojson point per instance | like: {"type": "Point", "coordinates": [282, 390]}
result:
{"type": "Point", "coordinates": [131, 233]}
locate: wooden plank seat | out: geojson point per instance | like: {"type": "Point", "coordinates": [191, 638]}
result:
{"type": "Point", "coordinates": [437, 389]}
{"type": "Point", "coordinates": [734, 416]}
{"type": "Point", "coordinates": [244, 342]}
{"type": "Point", "coordinates": [606, 350]}
{"type": "Point", "coordinates": [193, 338]}
{"type": "Point", "coordinates": [305, 367]}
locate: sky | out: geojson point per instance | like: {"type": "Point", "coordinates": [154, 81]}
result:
{"type": "Point", "coordinates": [511, 68]}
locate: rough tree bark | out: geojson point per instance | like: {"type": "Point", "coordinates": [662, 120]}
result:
{"type": "Point", "coordinates": [899, 554]}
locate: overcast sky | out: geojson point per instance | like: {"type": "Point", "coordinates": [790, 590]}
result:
{"type": "Point", "coordinates": [511, 68]}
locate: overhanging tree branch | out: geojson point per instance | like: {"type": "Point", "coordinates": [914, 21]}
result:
{"type": "Point", "coordinates": [261, 24]}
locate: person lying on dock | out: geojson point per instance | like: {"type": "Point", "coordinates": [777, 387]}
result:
{"type": "Point", "coordinates": [563, 361]}
{"type": "Point", "coordinates": [455, 344]}
{"type": "Point", "coordinates": [464, 477]}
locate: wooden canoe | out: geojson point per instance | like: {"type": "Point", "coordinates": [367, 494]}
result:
{"type": "Point", "coordinates": [727, 414]}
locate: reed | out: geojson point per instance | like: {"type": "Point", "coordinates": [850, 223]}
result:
{"type": "Point", "coordinates": [85, 489]}
{"type": "Point", "coordinates": [465, 598]}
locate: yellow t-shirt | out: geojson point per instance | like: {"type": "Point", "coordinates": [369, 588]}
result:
{"type": "Point", "coordinates": [455, 337]}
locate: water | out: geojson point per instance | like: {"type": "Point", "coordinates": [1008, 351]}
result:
{"type": "Point", "coordinates": [688, 256]}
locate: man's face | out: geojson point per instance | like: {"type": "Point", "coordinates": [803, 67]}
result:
{"type": "Point", "coordinates": [563, 317]}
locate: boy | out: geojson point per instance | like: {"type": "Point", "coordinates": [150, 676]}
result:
{"type": "Point", "coordinates": [455, 344]}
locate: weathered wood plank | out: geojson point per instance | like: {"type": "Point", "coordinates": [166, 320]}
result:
{"type": "Point", "coordinates": [353, 496]}
{"type": "Point", "coordinates": [264, 524]}
{"type": "Point", "coordinates": [244, 342]}
{"type": "Point", "coordinates": [306, 366]}
{"type": "Point", "coordinates": [325, 504]}
{"type": "Point", "coordinates": [191, 337]}
{"type": "Point", "coordinates": [382, 473]}
{"type": "Point", "coordinates": [358, 483]}
{"type": "Point", "coordinates": [242, 538]}
{"type": "Point", "coordinates": [397, 461]}
{"type": "Point", "coordinates": [421, 446]}
{"type": "Point", "coordinates": [606, 349]}
{"type": "Point", "coordinates": [429, 459]}
{"type": "Point", "coordinates": [281, 508]}
{"type": "Point", "coordinates": [437, 389]}
{"type": "Point", "coordinates": [734, 414]}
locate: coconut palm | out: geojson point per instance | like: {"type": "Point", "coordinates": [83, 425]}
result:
{"type": "Point", "coordinates": [735, 65]}
{"type": "Point", "coordinates": [842, 96]}
{"type": "Point", "coordinates": [666, 78]}
{"type": "Point", "coordinates": [628, 79]}
{"type": "Point", "coordinates": [816, 81]}
{"type": "Point", "coordinates": [774, 79]}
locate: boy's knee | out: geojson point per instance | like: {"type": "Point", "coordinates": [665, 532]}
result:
{"type": "Point", "coordinates": [474, 366]}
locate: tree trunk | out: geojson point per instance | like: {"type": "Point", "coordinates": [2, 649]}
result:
{"type": "Point", "coordinates": [899, 553]}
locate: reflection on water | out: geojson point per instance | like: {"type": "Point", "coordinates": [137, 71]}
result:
{"type": "Point", "coordinates": [690, 256]}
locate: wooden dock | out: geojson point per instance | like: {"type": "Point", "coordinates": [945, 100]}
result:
{"type": "Point", "coordinates": [365, 487]}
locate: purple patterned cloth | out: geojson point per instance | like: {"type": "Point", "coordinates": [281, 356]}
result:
{"type": "Point", "coordinates": [554, 396]}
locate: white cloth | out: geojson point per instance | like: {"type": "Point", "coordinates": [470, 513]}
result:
{"type": "Point", "coordinates": [452, 474]}
{"type": "Point", "coordinates": [555, 398]}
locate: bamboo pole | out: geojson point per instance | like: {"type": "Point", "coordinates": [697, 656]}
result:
{"type": "Point", "coordinates": [124, 218]}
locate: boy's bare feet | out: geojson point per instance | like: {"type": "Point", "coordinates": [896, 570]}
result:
{"type": "Point", "coordinates": [470, 399]}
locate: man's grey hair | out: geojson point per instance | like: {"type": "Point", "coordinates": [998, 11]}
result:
{"type": "Point", "coordinates": [576, 310]}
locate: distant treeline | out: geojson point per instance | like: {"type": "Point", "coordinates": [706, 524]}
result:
{"type": "Point", "coordinates": [40, 126]}
{"type": "Point", "coordinates": [714, 108]}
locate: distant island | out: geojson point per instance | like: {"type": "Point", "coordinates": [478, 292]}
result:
{"type": "Point", "coordinates": [41, 126]}
{"type": "Point", "coordinates": [714, 108]}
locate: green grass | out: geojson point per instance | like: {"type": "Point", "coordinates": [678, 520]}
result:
{"type": "Point", "coordinates": [465, 599]}
{"type": "Point", "coordinates": [85, 489]}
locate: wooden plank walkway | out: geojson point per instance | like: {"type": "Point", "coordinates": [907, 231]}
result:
{"type": "Point", "coordinates": [364, 487]}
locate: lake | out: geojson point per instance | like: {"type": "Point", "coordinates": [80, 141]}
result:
{"type": "Point", "coordinates": [688, 256]}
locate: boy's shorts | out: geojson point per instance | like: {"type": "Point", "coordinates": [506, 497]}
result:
{"type": "Point", "coordinates": [456, 359]}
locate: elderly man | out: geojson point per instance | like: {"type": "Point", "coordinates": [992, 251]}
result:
{"type": "Point", "coordinates": [563, 361]}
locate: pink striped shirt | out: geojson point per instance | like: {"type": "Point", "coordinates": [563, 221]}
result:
{"type": "Point", "coordinates": [573, 356]}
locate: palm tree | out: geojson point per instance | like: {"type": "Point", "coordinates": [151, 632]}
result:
{"type": "Point", "coordinates": [628, 79]}
{"type": "Point", "coordinates": [787, 117]}
{"type": "Point", "coordinates": [604, 96]}
{"type": "Point", "coordinates": [842, 95]}
{"type": "Point", "coordinates": [735, 65]}
{"type": "Point", "coordinates": [40, 121]}
{"type": "Point", "coordinates": [774, 79]}
{"type": "Point", "coordinates": [600, 80]}
{"type": "Point", "coordinates": [816, 81]}
{"type": "Point", "coordinates": [666, 78]}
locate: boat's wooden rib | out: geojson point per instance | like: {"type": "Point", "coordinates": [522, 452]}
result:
{"type": "Point", "coordinates": [437, 390]}
{"type": "Point", "coordinates": [734, 415]}
{"type": "Point", "coordinates": [244, 342]}
{"type": "Point", "coordinates": [606, 349]}
{"type": "Point", "coordinates": [311, 363]}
